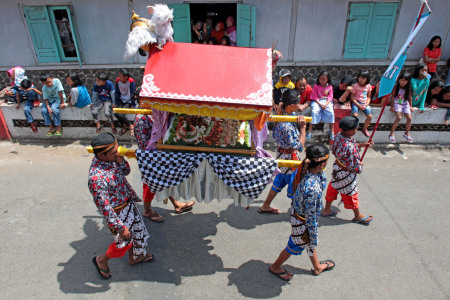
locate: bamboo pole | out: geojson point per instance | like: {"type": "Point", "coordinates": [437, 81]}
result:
{"type": "Point", "coordinates": [122, 151]}
{"type": "Point", "coordinates": [271, 118]}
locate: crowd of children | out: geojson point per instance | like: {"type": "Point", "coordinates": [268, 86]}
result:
{"type": "Point", "coordinates": [105, 95]}
{"type": "Point", "coordinates": [412, 91]}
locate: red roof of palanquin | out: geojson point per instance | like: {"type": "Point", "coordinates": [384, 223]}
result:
{"type": "Point", "coordinates": [209, 76]}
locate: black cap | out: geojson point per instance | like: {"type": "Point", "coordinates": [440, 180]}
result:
{"type": "Point", "coordinates": [103, 142]}
{"type": "Point", "coordinates": [349, 123]}
{"type": "Point", "coordinates": [290, 96]}
{"type": "Point", "coordinates": [347, 80]}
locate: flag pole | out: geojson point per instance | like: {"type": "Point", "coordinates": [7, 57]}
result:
{"type": "Point", "coordinates": [424, 2]}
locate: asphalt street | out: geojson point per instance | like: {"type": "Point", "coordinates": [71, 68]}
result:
{"type": "Point", "coordinates": [51, 230]}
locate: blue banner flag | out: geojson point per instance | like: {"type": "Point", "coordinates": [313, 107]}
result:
{"type": "Point", "coordinates": [390, 76]}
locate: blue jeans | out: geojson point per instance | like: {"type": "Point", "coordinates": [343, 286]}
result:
{"type": "Point", "coordinates": [27, 110]}
{"type": "Point", "coordinates": [447, 116]}
{"type": "Point", "coordinates": [367, 111]}
{"type": "Point", "coordinates": [54, 106]}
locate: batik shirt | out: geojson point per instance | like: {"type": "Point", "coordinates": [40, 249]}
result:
{"type": "Point", "coordinates": [287, 136]}
{"type": "Point", "coordinates": [143, 125]}
{"type": "Point", "coordinates": [307, 202]}
{"type": "Point", "coordinates": [110, 188]}
{"type": "Point", "coordinates": [346, 151]}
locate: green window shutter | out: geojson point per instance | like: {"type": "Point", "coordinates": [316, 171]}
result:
{"type": "Point", "coordinates": [181, 23]}
{"type": "Point", "coordinates": [41, 33]}
{"type": "Point", "coordinates": [358, 30]}
{"type": "Point", "coordinates": [69, 29]}
{"type": "Point", "coordinates": [383, 20]}
{"type": "Point", "coordinates": [246, 25]}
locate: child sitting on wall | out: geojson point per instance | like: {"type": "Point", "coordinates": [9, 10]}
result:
{"type": "Point", "coordinates": [29, 94]}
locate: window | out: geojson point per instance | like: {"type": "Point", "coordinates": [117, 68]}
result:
{"type": "Point", "coordinates": [245, 16]}
{"type": "Point", "coordinates": [369, 30]}
{"type": "Point", "coordinates": [52, 33]}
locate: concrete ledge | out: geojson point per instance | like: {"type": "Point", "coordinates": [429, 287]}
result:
{"type": "Point", "coordinates": [427, 127]}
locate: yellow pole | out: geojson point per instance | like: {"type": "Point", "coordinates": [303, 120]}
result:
{"type": "Point", "coordinates": [271, 118]}
{"type": "Point", "coordinates": [122, 151]}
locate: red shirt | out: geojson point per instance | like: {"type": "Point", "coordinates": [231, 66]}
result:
{"type": "Point", "coordinates": [306, 94]}
{"type": "Point", "coordinates": [432, 54]}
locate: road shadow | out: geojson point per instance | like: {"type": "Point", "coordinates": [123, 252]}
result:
{"type": "Point", "coordinates": [254, 280]}
{"type": "Point", "coordinates": [385, 149]}
{"type": "Point", "coordinates": [178, 245]}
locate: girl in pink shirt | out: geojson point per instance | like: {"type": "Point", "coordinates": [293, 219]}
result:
{"type": "Point", "coordinates": [360, 98]}
{"type": "Point", "coordinates": [322, 104]}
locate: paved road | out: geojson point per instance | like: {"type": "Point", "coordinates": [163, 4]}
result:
{"type": "Point", "coordinates": [51, 230]}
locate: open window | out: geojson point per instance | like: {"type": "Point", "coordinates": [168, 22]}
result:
{"type": "Point", "coordinates": [185, 15]}
{"type": "Point", "coordinates": [52, 32]}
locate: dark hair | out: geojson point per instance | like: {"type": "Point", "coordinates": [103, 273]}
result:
{"type": "Point", "coordinates": [290, 96]}
{"type": "Point", "coordinates": [297, 80]}
{"type": "Point", "coordinates": [26, 84]}
{"type": "Point", "coordinates": [436, 83]}
{"type": "Point", "coordinates": [227, 39]}
{"type": "Point", "coordinates": [446, 90]}
{"type": "Point", "coordinates": [406, 76]}
{"type": "Point", "coordinates": [43, 77]}
{"type": "Point", "coordinates": [364, 74]}
{"type": "Point", "coordinates": [124, 72]}
{"type": "Point", "coordinates": [75, 78]}
{"type": "Point", "coordinates": [213, 40]}
{"type": "Point", "coordinates": [430, 44]}
{"type": "Point", "coordinates": [313, 154]}
{"type": "Point", "coordinates": [417, 69]}
{"type": "Point", "coordinates": [323, 73]}
{"type": "Point", "coordinates": [102, 76]}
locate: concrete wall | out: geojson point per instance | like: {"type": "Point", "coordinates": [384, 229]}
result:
{"type": "Point", "coordinates": [77, 123]}
{"type": "Point", "coordinates": [316, 36]}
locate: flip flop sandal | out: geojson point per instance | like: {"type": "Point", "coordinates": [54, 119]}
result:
{"type": "Point", "coordinates": [123, 131]}
{"type": "Point", "coordinates": [131, 130]}
{"type": "Point", "coordinates": [363, 221]}
{"type": "Point", "coordinates": [148, 257]}
{"type": "Point", "coordinates": [59, 133]}
{"type": "Point", "coordinates": [328, 262]}
{"type": "Point", "coordinates": [281, 274]}
{"type": "Point", "coordinates": [332, 214]}
{"type": "Point", "coordinates": [50, 133]}
{"type": "Point", "coordinates": [99, 270]}
{"type": "Point", "coordinates": [273, 211]}
{"type": "Point", "coordinates": [366, 132]}
{"type": "Point", "coordinates": [392, 139]}
{"type": "Point", "coordinates": [308, 135]}
{"type": "Point", "coordinates": [155, 217]}
{"type": "Point", "coordinates": [114, 130]}
{"type": "Point", "coordinates": [34, 128]}
{"type": "Point", "coordinates": [330, 135]}
{"type": "Point", "coordinates": [185, 209]}
{"type": "Point", "coordinates": [433, 107]}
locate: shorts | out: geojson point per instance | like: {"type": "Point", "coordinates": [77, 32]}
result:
{"type": "Point", "coordinates": [281, 180]}
{"type": "Point", "coordinates": [299, 239]}
{"type": "Point", "coordinates": [402, 108]}
{"type": "Point", "coordinates": [367, 111]}
{"type": "Point", "coordinates": [350, 202]}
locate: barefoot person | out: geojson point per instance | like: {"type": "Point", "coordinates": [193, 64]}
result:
{"type": "Point", "coordinates": [309, 183]}
{"type": "Point", "coordinates": [115, 200]}
{"type": "Point", "coordinates": [347, 166]}
{"type": "Point", "coordinates": [290, 141]}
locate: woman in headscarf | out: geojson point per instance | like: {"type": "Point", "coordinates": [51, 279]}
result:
{"type": "Point", "coordinates": [217, 32]}
{"type": "Point", "coordinates": [197, 32]}
{"type": "Point", "coordinates": [230, 31]}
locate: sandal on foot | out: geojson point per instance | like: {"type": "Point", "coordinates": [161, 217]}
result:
{"type": "Point", "coordinates": [366, 132]}
{"type": "Point", "coordinates": [123, 131]}
{"type": "Point", "coordinates": [34, 128]}
{"type": "Point", "coordinates": [155, 217]}
{"type": "Point", "coordinates": [147, 257]}
{"type": "Point", "coordinates": [99, 270]}
{"type": "Point", "coordinates": [408, 138]}
{"type": "Point", "coordinates": [131, 130]}
{"type": "Point", "coordinates": [392, 139]}
{"type": "Point", "coordinates": [114, 130]}
{"type": "Point", "coordinates": [364, 221]}
{"type": "Point", "coordinates": [50, 133]}
{"type": "Point", "coordinates": [433, 107]}
{"type": "Point", "coordinates": [331, 214]}
{"type": "Point", "coordinates": [272, 211]}
{"type": "Point", "coordinates": [98, 129]}
{"type": "Point", "coordinates": [308, 135]}
{"type": "Point", "coordinates": [330, 265]}
{"type": "Point", "coordinates": [279, 275]}
{"type": "Point", "coordinates": [59, 133]}
{"type": "Point", "coordinates": [330, 135]}
{"type": "Point", "coordinates": [185, 208]}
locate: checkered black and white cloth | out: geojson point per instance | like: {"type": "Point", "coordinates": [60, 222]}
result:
{"type": "Point", "coordinates": [247, 175]}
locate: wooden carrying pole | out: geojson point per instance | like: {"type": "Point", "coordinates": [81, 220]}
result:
{"type": "Point", "coordinates": [122, 151]}
{"type": "Point", "coordinates": [271, 118]}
